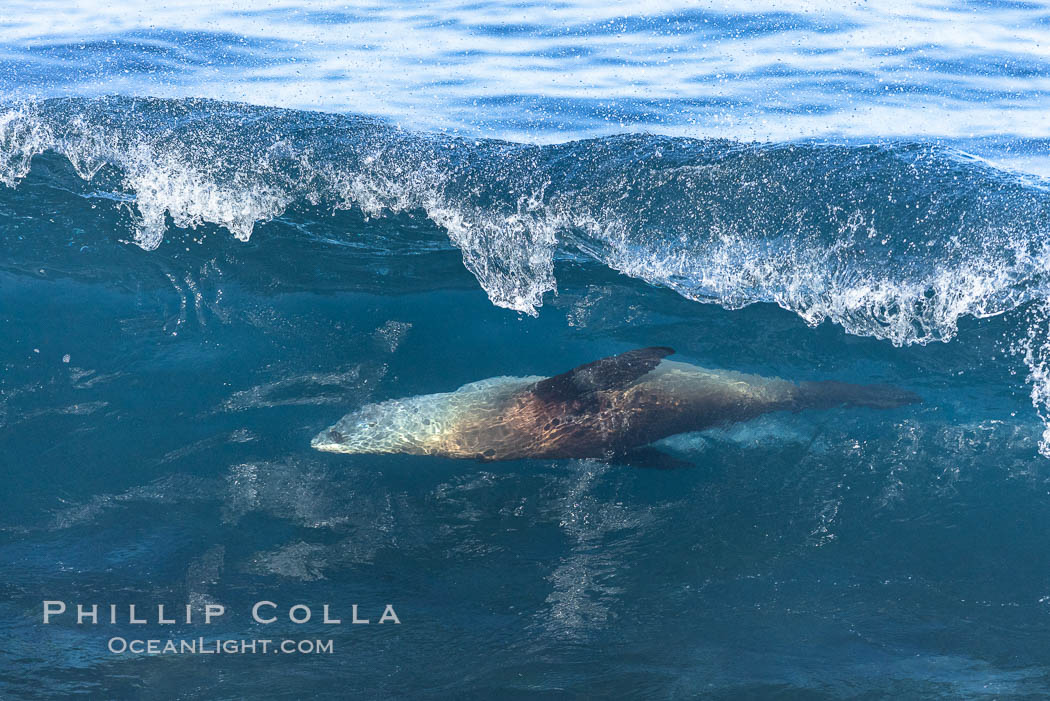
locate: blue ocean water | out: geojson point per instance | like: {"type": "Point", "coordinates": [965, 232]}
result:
{"type": "Point", "coordinates": [222, 227]}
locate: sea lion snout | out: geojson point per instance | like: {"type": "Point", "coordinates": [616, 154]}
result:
{"type": "Point", "coordinates": [328, 440]}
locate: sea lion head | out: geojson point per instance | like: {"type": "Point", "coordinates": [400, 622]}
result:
{"type": "Point", "coordinates": [430, 424]}
{"type": "Point", "coordinates": [374, 428]}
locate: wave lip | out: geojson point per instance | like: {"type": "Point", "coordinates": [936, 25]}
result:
{"type": "Point", "coordinates": [896, 241]}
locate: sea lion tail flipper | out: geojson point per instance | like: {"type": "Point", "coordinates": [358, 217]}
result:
{"type": "Point", "coordinates": [829, 393]}
{"type": "Point", "coordinates": [613, 372]}
{"type": "Point", "coordinates": [649, 457]}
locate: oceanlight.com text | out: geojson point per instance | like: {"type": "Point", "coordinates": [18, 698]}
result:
{"type": "Point", "coordinates": [230, 646]}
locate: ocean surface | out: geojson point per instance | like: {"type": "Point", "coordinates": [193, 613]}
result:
{"type": "Point", "coordinates": [224, 226]}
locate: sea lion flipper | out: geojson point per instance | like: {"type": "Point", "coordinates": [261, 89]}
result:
{"type": "Point", "coordinates": [613, 372]}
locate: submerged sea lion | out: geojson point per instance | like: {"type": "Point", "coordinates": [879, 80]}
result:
{"type": "Point", "coordinates": [611, 408]}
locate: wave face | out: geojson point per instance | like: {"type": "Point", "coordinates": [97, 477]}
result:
{"type": "Point", "coordinates": [897, 241]}
{"type": "Point", "coordinates": [191, 290]}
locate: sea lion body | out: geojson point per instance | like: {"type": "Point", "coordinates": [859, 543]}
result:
{"type": "Point", "coordinates": [604, 409]}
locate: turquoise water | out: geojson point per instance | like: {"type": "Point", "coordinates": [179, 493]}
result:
{"type": "Point", "coordinates": [220, 231]}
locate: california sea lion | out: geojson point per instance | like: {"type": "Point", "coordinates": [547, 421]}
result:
{"type": "Point", "coordinates": [611, 408]}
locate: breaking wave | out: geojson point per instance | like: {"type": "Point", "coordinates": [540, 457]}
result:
{"type": "Point", "coordinates": [898, 241]}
